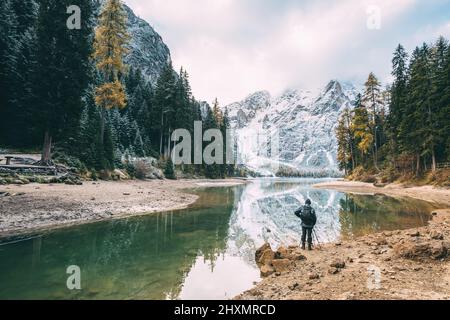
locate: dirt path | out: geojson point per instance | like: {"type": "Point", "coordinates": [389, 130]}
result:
{"type": "Point", "coordinates": [409, 264]}
{"type": "Point", "coordinates": [35, 206]}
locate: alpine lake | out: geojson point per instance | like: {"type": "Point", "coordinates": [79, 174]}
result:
{"type": "Point", "coordinates": [203, 252]}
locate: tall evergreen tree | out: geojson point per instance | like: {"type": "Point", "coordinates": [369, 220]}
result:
{"type": "Point", "coordinates": [212, 171]}
{"type": "Point", "coordinates": [398, 97]}
{"type": "Point", "coordinates": [8, 60]}
{"type": "Point", "coordinates": [110, 47]}
{"type": "Point", "coordinates": [229, 166]}
{"type": "Point", "coordinates": [344, 134]}
{"type": "Point", "coordinates": [89, 144]}
{"type": "Point", "coordinates": [164, 108]}
{"type": "Point", "coordinates": [63, 70]}
{"type": "Point", "coordinates": [361, 128]}
{"type": "Point", "coordinates": [436, 117]}
{"type": "Point", "coordinates": [183, 115]}
{"type": "Point", "coordinates": [25, 12]}
{"type": "Point", "coordinates": [445, 105]}
{"type": "Point", "coordinates": [20, 110]}
{"type": "Point", "coordinates": [373, 101]}
{"type": "Point", "coordinates": [218, 115]}
{"type": "Point", "coordinates": [412, 128]}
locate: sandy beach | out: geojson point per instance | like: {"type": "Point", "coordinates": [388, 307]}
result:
{"type": "Point", "coordinates": [426, 193]}
{"type": "Point", "coordinates": [38, 206]}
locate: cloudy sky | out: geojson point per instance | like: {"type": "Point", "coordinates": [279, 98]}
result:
{"type": "Point", "coordinates": [232, 48]}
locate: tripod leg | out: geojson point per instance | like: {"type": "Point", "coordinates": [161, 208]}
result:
{"type": "Point", "coordinates": [317, 239]}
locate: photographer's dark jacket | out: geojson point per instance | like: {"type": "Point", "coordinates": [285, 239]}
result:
{"type": "Point", "coordinates": [308, 216]}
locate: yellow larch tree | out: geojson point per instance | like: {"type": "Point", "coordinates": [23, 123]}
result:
{"type": "Point", "coordinates": [110, 47]}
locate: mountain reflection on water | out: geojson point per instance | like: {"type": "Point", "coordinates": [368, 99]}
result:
{"type": "Point", "coordinates": [203, 252]}
{"type": "Point", "coordinates": [265, 212]}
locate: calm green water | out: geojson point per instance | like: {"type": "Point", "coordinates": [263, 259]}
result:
{"type": "Point", "coordinates": [204, 252]}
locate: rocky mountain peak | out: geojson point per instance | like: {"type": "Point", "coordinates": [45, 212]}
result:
{"type": "Point", "coordinates": [241, 113]}
{"type": "Point", "coordinates": [334, 86]}
{"type": "Point", "coordinates": [148, 52]}
{"type": "Point", "coordinates": [305, 123]}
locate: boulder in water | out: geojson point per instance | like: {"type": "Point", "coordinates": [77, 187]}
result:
{"type": "Point", "coordinates": [264, 255]}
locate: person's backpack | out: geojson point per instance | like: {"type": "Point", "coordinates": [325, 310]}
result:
{"type": "Point", "coordinates": [308, 216]}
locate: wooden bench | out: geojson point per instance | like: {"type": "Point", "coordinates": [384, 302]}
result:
{"type": "Point", "coordinates": [443, 165]}
{"type": "Point", "coordinates": [8, 160]}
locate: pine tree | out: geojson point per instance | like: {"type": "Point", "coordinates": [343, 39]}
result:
{"type": "Point", "coordinates": [63, 72]}
{"type": "Point", "coordinates": [218, 115]}
{"type": "Point", "coordinates": [197, 116]}
{"type": "Point", "coordinates": [229, 168]}
{"type": "Point", "coordinates": [139, 111]}
{"type": "Point", "coordinates": [344, 134]}
{"type": "Point", "coordinates": [89, 143]}
{"type": "Point", "coordinates": [8, 36]}
{"type": "Point", "coordinates": [411, 127]}
{"type": "Point", "coordinates": [398, 97]}
{"type": "Point", "coordinates": [164, 107]}
{"type": "Point", "coordinates": [373, 101]}
{"type": "Point", "coordinates": [8, 61]}
{"type": "Point", "coordinates": [111, 39]}
{"type": "Point", "coordinates": [24, 53]}
{"type": "Point", "coordinates": [437, 118]}
{"type": "Point", "coordinates": [361, 128]}
{"type": "Point", "coordinates": [108, 147]}
{"type": "Point", "coordinates": [110, 95]}
{"type": "Point", "coordinates": [110, 47]}
{"type": "Point", "coordinates": [183, 116]}
{"type": "Point", "coordinates": [445, 106]}
{"type": "Point", "coordinates": [21, 124]}
{"type": "Point", "coordinates": [212, 171]}
{"type": "Point", "coordinates": [169, 170]}
{"type": "Point", "coordinates": [25, 12]}
{"type": "Point", "coordinates": [426, 129]}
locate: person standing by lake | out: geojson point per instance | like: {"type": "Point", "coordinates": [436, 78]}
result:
{"type": "Point", "coordinates": [308, 216]}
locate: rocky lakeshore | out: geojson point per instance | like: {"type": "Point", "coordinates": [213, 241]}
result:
{"type": "Point", "coordinates": [407, 264]}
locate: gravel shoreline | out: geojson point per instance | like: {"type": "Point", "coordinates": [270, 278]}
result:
{"type": "Point", "coordinates": [31, 207]}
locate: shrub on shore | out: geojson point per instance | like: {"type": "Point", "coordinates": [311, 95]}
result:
{"type": "Point", "coordinates": [169, 170]}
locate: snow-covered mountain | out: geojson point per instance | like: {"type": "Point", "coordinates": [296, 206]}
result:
{"type": "Point", "coordinates": [148, 52]}
{"type": "Point", "coordinates": [300, 126]}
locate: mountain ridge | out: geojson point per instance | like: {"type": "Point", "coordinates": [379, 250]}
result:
{"type": "Point", "coordinates": [148, 52]}
{"type": "Point", "coordinates": [304, 122]}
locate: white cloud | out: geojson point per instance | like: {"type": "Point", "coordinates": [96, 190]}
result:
{"type": "Point", "coordinates": [430, 33]}
{"type": "Point", "coordinates": [234, 47]}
